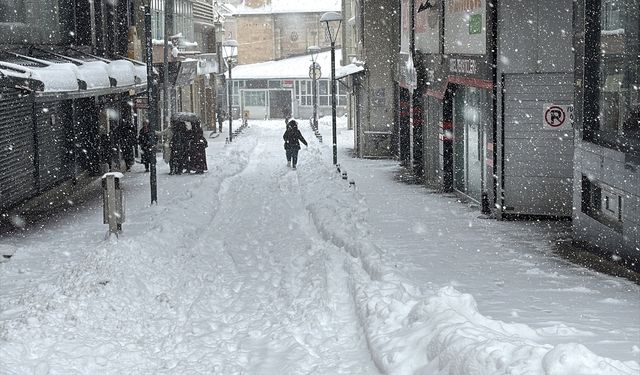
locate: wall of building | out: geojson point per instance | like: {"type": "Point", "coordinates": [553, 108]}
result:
{"type": "Point", "coordinates": [606, 186]}
{"type": "Point", "coordinates": [380, 51]}
{"type": "Point", "coordinates": [535, 69]}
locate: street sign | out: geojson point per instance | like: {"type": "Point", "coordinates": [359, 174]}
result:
{"type": "Point", "coordinates": [555, 116]}
{"type": "Point", "coordinates": [314, 71]}
{"type": "Point", "coordinates": [141, 103]}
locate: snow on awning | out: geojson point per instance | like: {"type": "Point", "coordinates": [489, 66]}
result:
{"type": "Point", "coordinates": [72, 72]}
{"type": "Point", "coordinates": [347, 70]}
{"type": "Point", "coordinates": [58, 77]}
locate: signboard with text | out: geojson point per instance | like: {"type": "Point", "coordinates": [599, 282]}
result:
{"type": "Point", "coordinates": [465, 27]}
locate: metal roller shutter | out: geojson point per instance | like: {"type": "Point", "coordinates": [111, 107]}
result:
{"type": "Point", "coordinates": [52, 144]}
{"type": "Point", "coordinates": [17, 169]}
{"type": "Point", "coordinates": [538, 161]}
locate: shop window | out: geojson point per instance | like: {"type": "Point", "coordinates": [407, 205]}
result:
{"type": "Point", "coordinates": [602, 203]}
{"type": "Point", "coordinates": [255, 99]}
{"type": "Point", "coordinates": [615, 121]}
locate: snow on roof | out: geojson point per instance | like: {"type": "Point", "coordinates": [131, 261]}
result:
{"type": "Point", "coordinates": [343, 71]}
{"type": "Point", "coordinates": [292, 6]}
{"type": "Point", "coordinates": [291, 68]}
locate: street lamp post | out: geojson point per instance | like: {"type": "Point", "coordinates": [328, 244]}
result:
{"type": "Point", "coordinates": [218, 19]}
{"type": "Point", "coordinates": [230, 52]}
{"type": "Point", "coordinates": [333, 21]}
{"type": "Point", "coordinates": [152, 95]}
{"type": "Point", "coordinates": [314, 71]}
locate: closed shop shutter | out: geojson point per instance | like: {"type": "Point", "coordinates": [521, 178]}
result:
{"type": "Point", "coordinates": [17, 169]}
{"type": "Point", "coordinates": [538, 159]}
{"type": "Point", "coordinates": [52, 144]}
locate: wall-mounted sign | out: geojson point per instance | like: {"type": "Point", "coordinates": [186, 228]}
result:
{"type": "Point", "coordinates": [405, 30]}
{"type": "Point", "coordinates": [427, 25]}
{"type": "Point", "coordinates": [379, 97]}
{"type": "Point", "coordinates": [557, 116]}
{"type": "Point", "coordinates": [465, 27]}
{"type": "Point", "coordinates": [288, 83]}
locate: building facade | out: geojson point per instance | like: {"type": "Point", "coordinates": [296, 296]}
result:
{"type": "Point", "coordinates": [606, 180]}
{"type": "Point", "coordinates": [66, 86]}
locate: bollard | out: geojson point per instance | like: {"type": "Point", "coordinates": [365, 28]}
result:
{"type": "Point", "coordinates": [113, 207]}
{"type": "Point", "coordinates": [344, 175]}
{"type": "Point", "coordinates": [486, 210]}
{"type": "Point", "coordinates": [352, 183]}
{"type": "Point", "coordinates": [338, 167]}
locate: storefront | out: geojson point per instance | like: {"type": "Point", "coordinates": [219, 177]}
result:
{"type": "Point", "coordinates": [52, 101]}
{"type": "Point", "coordinates": [607, 96]}
{"type": "Point", "coordinates": [458, 102]}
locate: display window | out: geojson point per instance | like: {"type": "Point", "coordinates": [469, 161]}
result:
{"type": "Point", "coordinates": [616, 49]}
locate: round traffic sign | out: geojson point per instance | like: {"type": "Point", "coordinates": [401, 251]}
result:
{"type": "Point", "coordinates": [555, 116]}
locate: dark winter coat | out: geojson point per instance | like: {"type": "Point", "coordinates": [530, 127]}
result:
{"type": "Point", "coordinates": [198, 154]}
{"type": "Point", "coordinates": [292, 137]}
{"type": "Point", "coordinates": [144, 140]}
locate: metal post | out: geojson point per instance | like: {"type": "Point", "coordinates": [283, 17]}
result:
{"type": "Point", "coordinates": [152, 95]}
{"type": "Point", "coordinates": [229, 98]}
{"type": "Point", "coordinates": [333, 102]}
{"type": "Point", "coordinates": [315, 97]}
{"type": "Point", "coordinates": [168, 27]}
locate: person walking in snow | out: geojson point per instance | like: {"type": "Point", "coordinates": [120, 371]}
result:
{"type": "Point", "coordinates": [144, 140]}
{"type": "Point", "coordinates": [292, 138]}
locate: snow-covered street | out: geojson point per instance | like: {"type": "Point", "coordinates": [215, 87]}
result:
{"type": "Point", "coordinates": [253, 268]}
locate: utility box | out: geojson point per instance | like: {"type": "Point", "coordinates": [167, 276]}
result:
{"type": "Point", "coordinates": [113, 204]}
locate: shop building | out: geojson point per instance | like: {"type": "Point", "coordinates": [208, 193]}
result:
{"type": "Point", "coordinates": [496, 87]}
{"type": "Point", "coordinates": [283, 88]}
{"type": "Point", "coordinates": [66, 87]}
{"type": "Point", "coordinates": [606, 184]}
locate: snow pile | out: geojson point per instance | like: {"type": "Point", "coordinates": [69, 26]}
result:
{"type": "Point", "coordinates": [122, 71]}
{"type": "Point", "coordinates": [432, 331]}
{"type": "Point", "coordinates": [55, 77]}
{"type": "Point", "coordinates": [95, 74]}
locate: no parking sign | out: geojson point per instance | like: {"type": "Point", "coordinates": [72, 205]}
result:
{"type": "Point", "coordinates": [556, 116]}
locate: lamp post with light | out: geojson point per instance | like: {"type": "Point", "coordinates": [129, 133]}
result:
{"type": "Point", "coordinates": [230, 52]}
{"type": "Point", "coordinates": [333, 21]}
{"type": "Point", "coordinates": [314, 72]}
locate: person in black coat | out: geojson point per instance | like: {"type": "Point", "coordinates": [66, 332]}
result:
{"type": "Point", "coordinates": [197, 152]}
{"type": "Point", "coordinates": [144, 140]}
{"type": "Point", "coordinates": [292, 138]}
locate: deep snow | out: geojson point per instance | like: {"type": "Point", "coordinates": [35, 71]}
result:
{"type": "Point", "coordinates": [256, 269]}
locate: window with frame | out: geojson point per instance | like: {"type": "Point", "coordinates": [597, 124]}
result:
{"type": "Point", "coordinates": [615, 45]}
{"type": "Point", "coordinates": [305, 92]}
{"type": "Point", "coordinates": [235, 97]}
{"type": "Point", "coordinates": [255, 99]}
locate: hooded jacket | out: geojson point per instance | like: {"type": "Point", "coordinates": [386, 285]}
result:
{"type": "Point", "coordinates": [292, 137]}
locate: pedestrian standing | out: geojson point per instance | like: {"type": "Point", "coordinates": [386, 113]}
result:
{"type": "Point", "coordinates": [198, 154]}
{"type": "Point", "coordinates": [144, 140]}
{"type": "Point", "coordinates": [220, 117]}
{"type": "Point", "coordinates": [292, 138]}
{"type": "Point", "coordinates": [178, 146]}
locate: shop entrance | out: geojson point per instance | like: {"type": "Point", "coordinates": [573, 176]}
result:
{"type": "Point", "coordinates": [279, 103]}
{"type": "Point", "coordinates": [472, 115]}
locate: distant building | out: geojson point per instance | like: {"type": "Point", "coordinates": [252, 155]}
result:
{"type": "Point", "coordinates": [275, 29]}
{"type": "Point", "coordinates": [279, 89]}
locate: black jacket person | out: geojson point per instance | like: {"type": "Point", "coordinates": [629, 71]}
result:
{"type": "Point", "coordinates": [292, 138]}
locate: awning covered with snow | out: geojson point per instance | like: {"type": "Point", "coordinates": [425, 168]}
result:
{"type": "Point", "coordinates": [71, 73]}
{"type": "Point", "coordinates": [347, 70]}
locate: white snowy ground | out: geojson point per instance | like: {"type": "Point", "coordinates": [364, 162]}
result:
{"type": "Point", "coordinates": [253, 268]}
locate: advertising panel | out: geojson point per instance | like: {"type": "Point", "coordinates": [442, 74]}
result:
{"type": "Point", "coordinates": [405, 30]}
{"type": "Point", "coordinates": [427, 25]}
{"type": "Point", "coordinates": [465, 27]}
